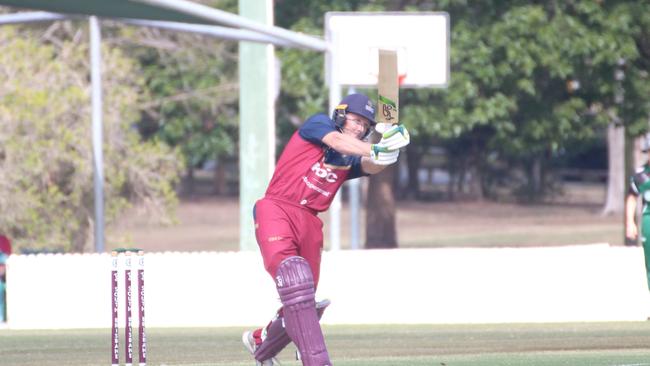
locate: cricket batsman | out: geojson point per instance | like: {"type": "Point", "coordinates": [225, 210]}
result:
{"type": "Point", "coordinates": [640, 186]}
{"type": "Point", "coordinates": [319, 157]}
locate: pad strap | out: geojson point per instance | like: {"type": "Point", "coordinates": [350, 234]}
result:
{"type": "Point", "coordinates": [275, 338]}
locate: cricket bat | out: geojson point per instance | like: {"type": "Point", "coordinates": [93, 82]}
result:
{"type": "Point", "coordinates": [388, 90]}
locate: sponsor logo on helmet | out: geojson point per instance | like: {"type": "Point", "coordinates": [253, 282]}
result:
{"type": "Point", "coordinates": [370, 108]}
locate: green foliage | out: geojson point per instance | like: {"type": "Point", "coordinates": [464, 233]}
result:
{"type": "Point", "coordinates": [515, 70]}
{"type": "Point", "coordinates": [511, 71]}
{"type": "Point", "coordinates": [46, 158]}
{"type": "Point", "coordinates": [303, 90]}
{"type": "Point", "coordinates": [192, 83]}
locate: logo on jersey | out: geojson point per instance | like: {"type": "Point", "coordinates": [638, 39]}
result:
{"type": "Point", "coordinates": [325, 173]}
{"type": "Point", "coordinates": [311, 185]}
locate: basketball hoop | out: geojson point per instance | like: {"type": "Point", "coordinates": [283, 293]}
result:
{"type": "Point", "coordinates": [400, 79]}
{"type": "Point", "coordinates": [420, 39]}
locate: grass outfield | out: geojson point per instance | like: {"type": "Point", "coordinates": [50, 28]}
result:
{"type": "Point", "coordinates": [571, 344]}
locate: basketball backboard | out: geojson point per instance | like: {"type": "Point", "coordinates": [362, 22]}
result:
{"type": "Point", "coordinates": [421, 40]}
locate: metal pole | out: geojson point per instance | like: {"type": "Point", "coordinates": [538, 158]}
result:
{"type": "Point", "coordinates": [354, 188]}
{"type": "Point", "coordinates": [209, 30]}
{"type": "Point", "coordinates": [335, 207]}
{"type": "Point", "coordinates": [256, 120]}
{"type": "Point", "coordinates": [222, 17]}
{"type": "Point", "coordinates": [212, 30]}
{"type": "Point", "coordinates": [32, 17]}
{"type": "Point", "coordinates": [98, 158]}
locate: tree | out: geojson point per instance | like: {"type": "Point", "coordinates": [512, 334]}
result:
{"type": "Point", "coordinates": [530, 78]}
{"type": "Point", "coordinates": [381, 228]}
{"type": "Point", "coordinates": [628, 109]}
{"type": "Point", "coordinates": [46, 190]}
{"type": "Point", "coordinates": [615, 198]}
{"type": "Point", "coordinates": [192, 80]}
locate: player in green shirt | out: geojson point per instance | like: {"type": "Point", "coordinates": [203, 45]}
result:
{"type": "Point", "coordinates": [640, 186]}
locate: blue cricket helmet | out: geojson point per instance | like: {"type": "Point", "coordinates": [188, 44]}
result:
{"type": "Point", "coordinates": [358, 104]}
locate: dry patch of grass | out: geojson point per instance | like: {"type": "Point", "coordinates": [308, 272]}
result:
{"type": "Point", "coordinates": [212, 223]}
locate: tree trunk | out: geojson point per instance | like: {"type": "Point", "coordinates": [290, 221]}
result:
{"type": "Point", "coordinates": [414, 158]}
{"type": "Point", "coordinates": [474, 186]}
{"type": "Point", "coordinates": [615, 200]}
{"type": "Point", "coordinates": [187, 183]}
{"type": "Point", "coordinates": [474, 175]}
{"type": "Point", "coordinates": [452, 169]}
{"type": "Point", "coordinates": [80, 237]}
{"type": "Point", "coordinates": [456, 179]}
{"type": "Point", "coordinates": [536, 176]}
{"type": "Point", "coordinates": [380, 210]}
{"type": "Point", "coordinates": [220, 186]}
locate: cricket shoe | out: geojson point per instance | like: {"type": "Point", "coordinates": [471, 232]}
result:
{"type": "Point", "coordinates": [249, 342]}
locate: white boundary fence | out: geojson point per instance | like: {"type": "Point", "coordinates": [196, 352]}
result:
{"type": "Point", "coordinates": [469, 285]}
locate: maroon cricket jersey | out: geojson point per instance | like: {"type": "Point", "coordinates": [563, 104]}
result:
{"type": "Point", "coordinates": [309, 173]}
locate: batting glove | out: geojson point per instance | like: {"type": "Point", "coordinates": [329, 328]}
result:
{"type": "Point", "coordinates": [395, 137]}
{"type": "Point", "coordinates": [381, 155]}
